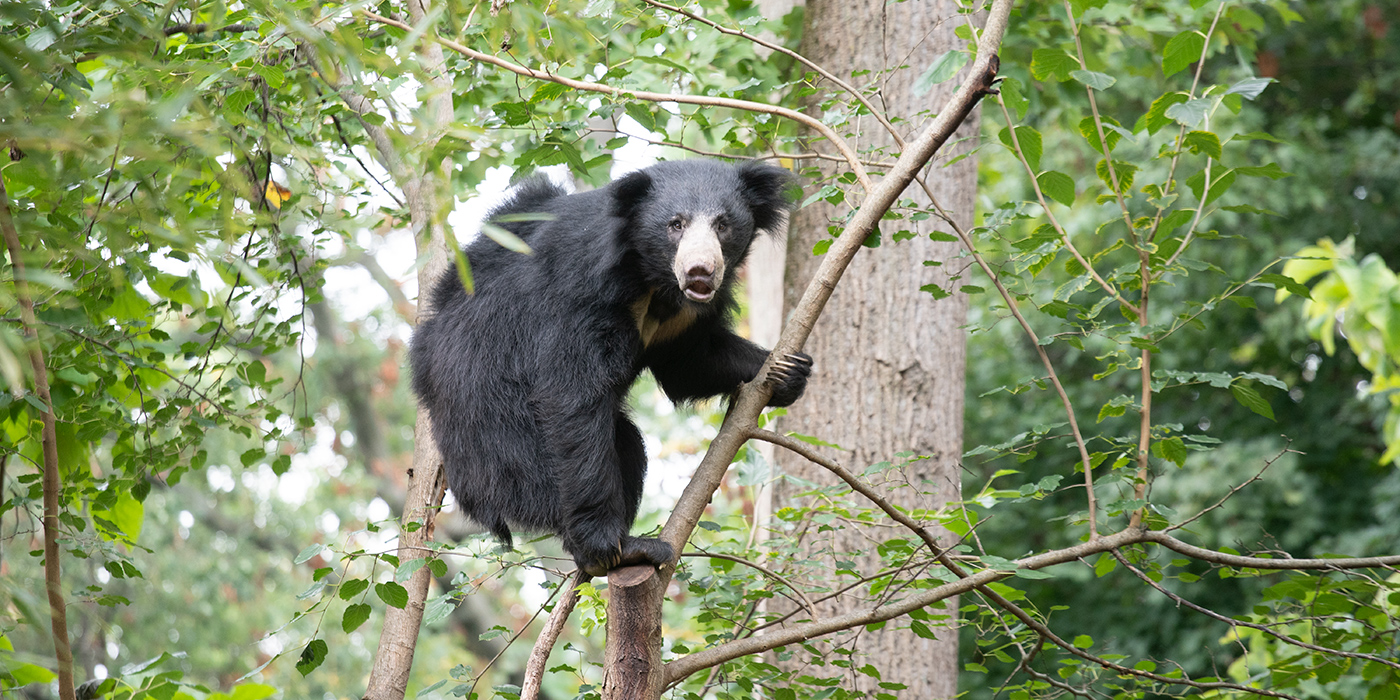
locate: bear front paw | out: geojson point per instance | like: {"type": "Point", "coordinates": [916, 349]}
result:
{"type": "Point", "coordinates": [631, 551]}
{"type": "Point", "coordinates": [789, 378]}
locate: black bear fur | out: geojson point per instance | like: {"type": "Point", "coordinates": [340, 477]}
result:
{"type": "Point", "coordinates": [526, 379]}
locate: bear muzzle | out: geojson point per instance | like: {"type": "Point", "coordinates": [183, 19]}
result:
{"type": "Point", "coordinates": [699, 262]}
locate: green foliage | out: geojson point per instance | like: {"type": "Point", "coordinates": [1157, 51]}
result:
{"type": "Point", "coordinates": [1365, 296]}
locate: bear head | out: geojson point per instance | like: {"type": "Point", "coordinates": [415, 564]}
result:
{"type": "Point", "coordinates": [691, 221]}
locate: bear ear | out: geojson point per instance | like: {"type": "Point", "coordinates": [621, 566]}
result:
{"type": "Point", "coordinates": [628, 192]}
{"type": "Point", "coordinates": [770, 193]}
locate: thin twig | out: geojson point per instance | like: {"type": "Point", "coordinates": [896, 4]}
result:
{"type": "Point", "coordinates": [1234, 490]}
{"type": "Point", "coordinates": [1205, 186]}
{"type": "Point", "coordinates": [802, 597]}
{"type": "Point", "coordinates": [1254, 626]}
{"type": "Point", "coordinates": [811, 65]}
{"type": "Point", "coordinates": [1084, 461]}
{"type": "Point", "coordinates": [852, 159]}
{"type": "Point", "coordinates": [1050, 215]}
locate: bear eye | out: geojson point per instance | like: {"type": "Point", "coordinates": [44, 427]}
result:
{"type": "Point", "coordinates": [677, 224]}
{"type": "Point", "coordinates": [721, 225]}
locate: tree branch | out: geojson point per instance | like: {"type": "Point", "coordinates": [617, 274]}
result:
{"type": "Point", "coordinates": [1084, 461]}
{"type": "Point", "coordinates": [1254, 626]}
{"type": "Point", "coordinates": [815, 124]}
{"type": "Point", "coordinates": [539, 654]}
{"type": "Point", "coordinates": [52, 486]}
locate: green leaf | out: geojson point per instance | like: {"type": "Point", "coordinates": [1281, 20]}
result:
{"type": "Point", "coordinates": [312, 656]}
{"type": "Point", "coordinates": [392, 594]}
{"type": "Point", "coordinates": [1077, 7]}
{"type": "Point", "coordinates": [26, 674]}
{"type": "Point", "coordinates": [437, 609]}
{"type": "Point", "coordinates": [1083, 641]}
{"type": "Point", "coordinates": [1095, 80]}
{"type": "Point", "coordinates": [1105, 565]}
{"type": "Point", "coordinates": [1285, 282]}
{"type": "Point", "coordinates": [937, 291]}
{"type": "Point", "coordinates": [1250, 88]}
{"type": "Point", "coordinates": [355, 615]}
{"type": "Point", "coordinates": [1249, 398]}
{"type": "Point", "coordinates": [251, 691]}
{"type": "Point", "coordinates": [1030, 142]}
{"type": "Point", "coordinates": [1156, 116]}
{"type": "Point", "coordinates": [1172, 450]}
{"type": "Point", "coordinates": [506, 239]}
{"type": "Point", "coordinates": [1217, 188]}
{"type": "Point", "coordinates": [306, 554]}
{"type": "Point", "coordinates": [353, 587]}
{"type": "Point", "coordinates": [1057, 186]}
{"type": "Point", "coordinates": [1122, 170]}
{"type": "Point", "coordinates": [1052, 65]}
{"type": "Point", "coordinates": [814, 441]}
{"type": "Point", "coordinates": [1203, 142]}
{"type": "Point", "coordinates": [1189, 113]}
{"type": "Point", "coordinates": [1271, 171]}
{"type": "Point", "coordinates": [1089, 129]}
{"type": "Point", "coordinates": [945, 66]}
{"type": "Point", "coordinates": [1183, 50]}
{"type": "Point", "coordinates": [1014, 99]}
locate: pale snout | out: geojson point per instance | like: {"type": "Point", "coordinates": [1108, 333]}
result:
{"type": "Point", "coordinates": [699, 262]}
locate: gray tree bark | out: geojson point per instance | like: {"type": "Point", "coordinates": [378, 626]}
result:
{"type": "Point", "coordinates": [889, 358]}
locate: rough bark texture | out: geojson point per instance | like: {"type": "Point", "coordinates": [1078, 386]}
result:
{"type": "Point", "coordinates": [632, 660]}
{"type": "Point", "coordinates": [889, 358]}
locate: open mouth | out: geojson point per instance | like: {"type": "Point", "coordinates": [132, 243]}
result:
{"type": "Point", "coordinates": [699, 290]}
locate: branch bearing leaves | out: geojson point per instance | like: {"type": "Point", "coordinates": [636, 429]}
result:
{"type": "Point", "coordinates": [1094, 79]}
{"type": "Point", "coordinates": [937, 291]}
{"type": "Point", "coordinates": [1031, 143]}
{"type": "Point", "coordinates": [1057, 186]}
{"type": "Point", "coordinates": [1189, 113]}
{"type": "Point", "coordinates": [1203, 142]}
{"type": "Point", "coordinates": [1250, 88]}
{"type": "Point", "coordinates": [1156, 116]}
{"type": "Point", "coordinates": [1285, 282]}
{"type": "Point", "coordinates": [1124, 171]}
{"type": "Point", "coordinates": [355, 615]}
{"type": "Point", "coordinates": [1090, 131]}
{"type": "Point", "coordinates": [944, 67]}
{"type": "Point", "coordinates": [392, 594]}
{"type": "Point", "coordinates": [1249, 398]}
{"type": "Point", "coordinates": [1052, 64]}
{"type": "Point", "coordinates": [312, 656]}
{"type": "Point", "coordinates": [1183, 50]}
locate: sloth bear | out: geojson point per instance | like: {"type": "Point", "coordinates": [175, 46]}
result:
{"type": "Point", "coordinates": [526, 379]}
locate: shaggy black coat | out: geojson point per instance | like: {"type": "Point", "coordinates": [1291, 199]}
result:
{"type": "Point", "coordinates": [526, 379]}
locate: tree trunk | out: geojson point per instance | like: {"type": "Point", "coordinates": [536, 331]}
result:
{"type": "Point", "coordinates": [889, 357]}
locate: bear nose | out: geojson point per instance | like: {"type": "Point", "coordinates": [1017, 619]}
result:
{"type": "Point", "coordinates": [700, 270]}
